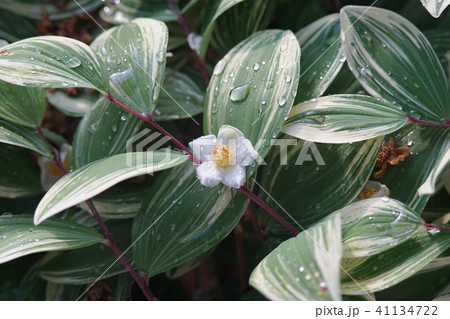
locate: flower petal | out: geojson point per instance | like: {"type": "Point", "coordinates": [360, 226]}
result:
{"type": "Point", "coordinates": [208, 174]}
{"type": "Point", "coordinates": [202, 147]}
{"type": "Point", "coordinates": [245, 152]}
{"type": "Point", "coordinates": [235, 177]}
{"type": "Point", "coordinates": [227, 132]}
{"type": "Point", "coordinates": [47, 178]}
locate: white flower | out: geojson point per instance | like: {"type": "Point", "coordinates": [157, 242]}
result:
{"type": "Point", "coordinates": [50, 172]}
{"type": "Point", "coordinates": [223, 158]}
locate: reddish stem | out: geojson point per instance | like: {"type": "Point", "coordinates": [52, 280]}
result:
{"type": "Point", "coordinates": [141, 283]}
{"type": "Point", "coordinates": [106, 233]}
{"type": "Point", "coordinates": [149, 119]}
{"type": "Point", "coordinates": [427, 225]}
{"type": "Point", "coordinates": [244, 190]}
{"type": "Point", "coordinates": [57, 158]}
{"type": "Point", "coordinates": [182, 22]}
{"type": "Point", "coordinates": [411, 119]}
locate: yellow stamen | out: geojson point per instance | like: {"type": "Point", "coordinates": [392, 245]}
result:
{"type": "Point", "coordinates": [222, 155]}
{"type": "Point", "coordinates": [367, 193]}
{"type": "Point", "coordinates": [55, 171]}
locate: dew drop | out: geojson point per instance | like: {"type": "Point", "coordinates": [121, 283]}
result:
{"type": "Point", "coordinates": [281, 101]}
{"type": "Point", "coordinates": [219, 67]}
{"type": "Point", "coordinates": [160, 56]}
{"type": "Point", "coordinates": [72, 62]}
{"type": "Point", "coordinates": [240, 93]}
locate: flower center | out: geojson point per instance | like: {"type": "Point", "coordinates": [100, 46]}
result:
{"type": "Point", "coordinates": [222, 155]}
{"type": "Point", "coordinates": [367, 193]}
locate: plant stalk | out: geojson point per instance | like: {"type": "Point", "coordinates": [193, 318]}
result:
{"type": "Point", "coordinates": [106, 234]}
{"type": "Point", "coordinates": [427, 225]}
{"type": "Point", "coordinates": [198, 60]}
{"type": "Point", "coordinates": [411, 119]}
{"type": "Point", "coordinates": [258, 201]}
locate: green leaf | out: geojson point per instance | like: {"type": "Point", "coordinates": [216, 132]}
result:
{"type": "Point", "coordinates": [383, 270]}
{"type": "Point", "coordinates": [89, 264]}
{"type": "Point", "coordinates": [421, 286]}
{"type": "Point", "coordinates": [213, 9]}
{"type": "Point", "coordinates": [19, 237]}
{"type": "Point", "coordinates": [34, 9]}
{"type": "Point", "coordinates": [180, 97]}
{"type": "Point", "coordinates": [122, 201]}
{"type": "Point", "coordinates": [343, 119]}
{"type": "Point", "coordinates": [19, 176]}
{"type": "Point", "coordinates": [103, 132]}
{"type": "Point", "coordinates": [322, 56]}
{"type": "Point", "coordinates": [374, 225]}
{"type": "Point", "coordinates": [14, 28]}
{"type": "Point", "coordinates": [120, 12]}
{"type": "Point", "coordinates": [240, 22]}
{"type": "Point", "coordinates": [427, 144]}
{"type": "Point", "coordinates": [442, 164]}
{"type": "Point", "coordinates": [76, 106]}
{"type": "Point", "coordinates": [393, 60]}
{"type": "Point", "coordinates": [345, 83]}
{"type": "Point", "coordinates": [312, 180]}
{"type": "Point", "coordinates": [435, 7]}
{"type": "Point", "coordinates": [181, 220]}
{"type": "Point", "coordinates": [23, 137]}
{"type": "Point", "coordinates": [305, 267]}
{"type": "Point", "coordinates": [21, 105]}
{"type": "Point", "coordinates": [252, 87]}
{"type": "Point", "coordinates": [53, 61]}
{"type": "Point", "coordinates": [135, 55]}
{"type": "Point", "coordinates": [94, 178]}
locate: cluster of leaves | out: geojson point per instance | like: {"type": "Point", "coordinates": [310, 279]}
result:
{"type": "Point", "coordinates": [345, 81]}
